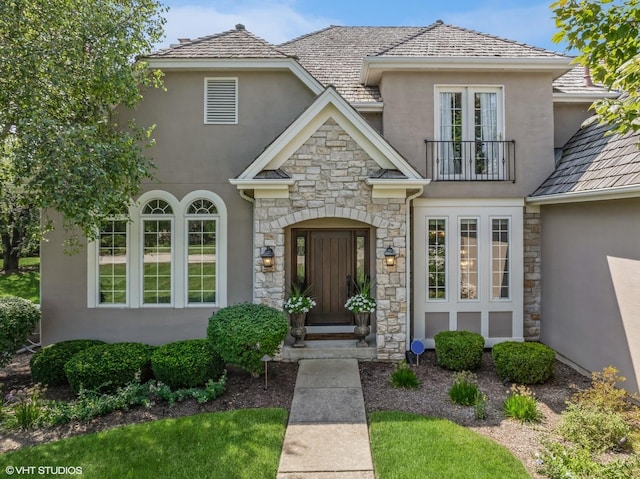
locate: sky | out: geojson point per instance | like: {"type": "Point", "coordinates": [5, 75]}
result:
{"type": "Point", "coordinates": [528, 21]}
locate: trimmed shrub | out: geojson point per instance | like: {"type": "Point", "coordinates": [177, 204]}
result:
{"type": "Point", "coordinates": [109, 366]}
{"type": "Point", "coordinates": [459, 350]}
{"type": "Point", "coordinates": [18, 318]}
{"type": "Point", "coordinates": [47, 364]}
{"type": "Point", "coordinates": [243, 333]}
{"type": "Point", "coordinates": [186, 364]}
{"type": "Point", "coordinates": [524, 363]}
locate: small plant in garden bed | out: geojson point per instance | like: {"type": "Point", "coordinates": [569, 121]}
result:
{"type": "Point", "coordinates": [464, 390]}
{"type": "Point", "coordinates": [404, 377]}
{"type": "Point", "coordinates": [522, 405]}
{"type": "Point", "coordinates": [24, 408]}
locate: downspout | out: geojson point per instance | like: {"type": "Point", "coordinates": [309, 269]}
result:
{"type": "Point", "coordinates": [251, 200]}
{"type": "Point", "coordinates": [408, 262]}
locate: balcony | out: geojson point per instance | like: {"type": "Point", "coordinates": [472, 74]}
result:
{"type": "Point", "coordinates": [471, 160]}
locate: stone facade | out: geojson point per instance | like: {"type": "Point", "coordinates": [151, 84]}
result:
{"type": "Point", "coordinates": [330, 170]}
{"type": "Point", "coordinates": [532, 285]}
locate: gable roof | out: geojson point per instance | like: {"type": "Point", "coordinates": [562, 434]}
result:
{"type": "Point", "coordinates": [594, 163]}
{"type": "Point", "coordinates": [237, 43]}
{"type": "Point", "coordinates": [335, 54]}
{"type": "Point", "coordinates": [330, 104]}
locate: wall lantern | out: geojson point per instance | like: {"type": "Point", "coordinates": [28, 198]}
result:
{"type": "Point", "coordinates": [390, 256]}
{"type": "Point", "coordinates": [268, 259]}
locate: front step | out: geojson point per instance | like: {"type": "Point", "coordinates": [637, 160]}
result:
{"type": "Point", "coordinates": [334, 349]}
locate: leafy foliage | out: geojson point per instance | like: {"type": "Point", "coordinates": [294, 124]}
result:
{"type": "Point", "coordinates": [404, 377]}
{"type": "Point", "coordinates": [106, 367]}
{"type": "Point", "coordinates": [607, 34]}
{"type": "Point", "coordinates": [524, 363]}
{"type": "Point", "coordinates": [522, 405]}
{"type": "Point", "coordinates": [299, 300]}
{"type": "Point", "coordinates": [243, 333]}
{"type": "Point", "coordinates": [560, 461]}
{"type": "Point", "coordinates": [593, 428]}
{"type": "Point", "coordinates": [47, 364]}
{"type": "Point", "coordinates": [464, 389]}
{"type": "Point", "coordinates": [64, 65]}
{"type": "Point", "coordinates": [18, 318]}
{"type": "Point", "coordinates": [459, 350]}
{"type": "Point", "coordinates": [186, 364]}
{"type": "Point", "coordinates": [24, 408]}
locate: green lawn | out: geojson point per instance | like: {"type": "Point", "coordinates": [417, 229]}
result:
{"type": "Point", "coordinates": [235, 445]}
{"type": "Point", "coordinates": [25, 284]}
{"type": "Point", "coordinates": [409, 446]}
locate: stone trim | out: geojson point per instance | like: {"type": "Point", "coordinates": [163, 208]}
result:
{"type": "Point", "coordinates": [532, 287]}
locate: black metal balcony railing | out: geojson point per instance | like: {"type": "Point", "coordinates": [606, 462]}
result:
{"type": "Point", "coordinates": [471, 160]}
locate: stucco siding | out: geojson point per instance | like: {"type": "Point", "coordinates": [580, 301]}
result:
{"type": "Point", "coordinates": [189, 156]}
{"type": "Point", "coordinates": [409, 120]}
{"type": "Point", "coordinates": [567, 118]}
{"type": "Point", "coordinates": [590, 284]}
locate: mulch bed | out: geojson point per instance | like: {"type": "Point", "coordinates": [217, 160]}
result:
{"type": "Point", "coordinates": [245, 391]}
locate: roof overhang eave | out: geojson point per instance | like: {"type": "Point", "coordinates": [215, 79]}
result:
{"type": "Point", "coordinates": [621, 192]}
{"type": "Point", "coordinates": [590, 97]}
{"type": "Point", "coordinates": [373, 67]}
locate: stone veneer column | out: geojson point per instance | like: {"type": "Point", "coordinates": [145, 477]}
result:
{"type": "Point", "coordinates": [329, 172]}
{"type": "Point", "coordinates": [532, 284]}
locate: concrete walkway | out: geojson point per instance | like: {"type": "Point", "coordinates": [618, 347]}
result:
{"type": "Point", "coordinates": [327, 436]}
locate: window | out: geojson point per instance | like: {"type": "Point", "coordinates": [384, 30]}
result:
{"type": "Point", "coordinates": [202, 221]}
{"type": "Point", "coordinates": [500, 246]}
{"type": "Point", "coordinates": [469, 129]}
{"type": "Point", "coordinates": [112, 262]}
{"type": "Point", "coordinates": [437, 254]}
{"type": "Point", "coordinates": [468, 259]}
{"type": "Point", "coordinates": [177, 257]}
{"type": "Point", "coordinates": [221, 101]}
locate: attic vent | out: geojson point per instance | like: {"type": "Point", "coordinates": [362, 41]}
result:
{"type": "Point", "coordinates": [221, 101]}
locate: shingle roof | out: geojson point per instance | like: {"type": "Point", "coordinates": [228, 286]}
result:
{"type": "Point", "coordinates": [440, 40]}
{"type": "Point", "coordinates": [593, 160]}
{"type": "Point", "coordinates": [577, 80]}
{"type": "Point", "coordinates": [237, 43]}
{"type": "Point", "coordinates": [334, 55]}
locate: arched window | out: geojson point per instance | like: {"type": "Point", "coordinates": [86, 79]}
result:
{"type": "Point", "coordinates": [157, 252]}
{"type": "Point", "coordinates": [201, 220]}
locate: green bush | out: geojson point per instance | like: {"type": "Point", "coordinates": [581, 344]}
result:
{"type": "Point", "coordinates": [47, 364]}
{"type": "Point", "coordinates": [593, 428]}
{"type": "Point", "coordinates": [522, 405]}
{"type": "Point", "coordinates": [186, 364]}
{"type": "Point", "coordinates": [524, 363]}
{"type": "Point", "coordinates": [18, 319]}
{"type": "Point", "coordinates": [242, 334]}
{"type": "Point", "coordinates": [464, 390]}
{"type": "Point", "coordinates": [459, 350]}
{"type": "Point", "coordinates": [109, 366]}
{"type": "Point", "coordinates": [404, 377]}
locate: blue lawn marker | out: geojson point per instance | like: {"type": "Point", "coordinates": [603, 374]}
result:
{"type": "Point", "coordinates": [417, 348]}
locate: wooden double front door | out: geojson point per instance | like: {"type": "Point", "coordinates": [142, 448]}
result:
{"type": "Point", "coordinates": [330, 261]}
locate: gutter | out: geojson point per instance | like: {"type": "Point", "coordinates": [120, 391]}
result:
{"type": "Point", "coordinates": [408, 263]}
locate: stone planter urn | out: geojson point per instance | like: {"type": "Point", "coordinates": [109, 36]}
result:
{"type": "Point", "coordinates": [362, 328]}
{"type": "Point", "coordinates": [298, 331]}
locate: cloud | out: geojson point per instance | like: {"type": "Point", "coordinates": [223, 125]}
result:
{"type": "Point", "coordinates": [275, 21]}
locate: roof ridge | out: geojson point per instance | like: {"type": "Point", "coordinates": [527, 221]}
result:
{"type": "Point", "coordinates": [504, 39]}
{"type": "Point", "coordinates": [422, 31]}
{"type": "Point", "coordinates": [306, 35]}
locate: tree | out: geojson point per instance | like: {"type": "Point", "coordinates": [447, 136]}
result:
{"type": "Point", "coordinates": [607, 34]}
{"type": "Point", "coordinates": [65, 68]}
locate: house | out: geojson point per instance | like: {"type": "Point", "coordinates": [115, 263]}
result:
{"type": "Point", "coordinates": [330, 150]}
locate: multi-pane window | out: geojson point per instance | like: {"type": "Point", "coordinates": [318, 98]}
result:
{"type": "Point", "coordinates": [202, 221]}
{"type": "Point", "coordinates": [437, 259]}
{"type": "Point", "coordinates": [112, 262]}
{"type": "Point", "coordinates": [468, 258]}
{"type": "Point", "coordinates": [469, 132]}
{"type": "Point", "coordinates": [500, 245]}
{"type": "Point", "coordinates": [157, 252]}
